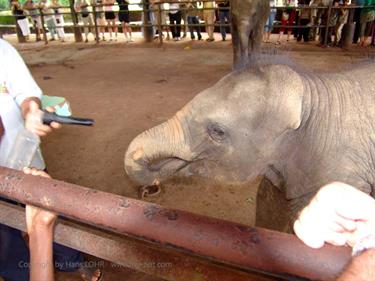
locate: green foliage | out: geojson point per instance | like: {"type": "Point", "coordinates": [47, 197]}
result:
{"type": "Point", "coordinates": [4, 4]}
{"type": "Point", "coordinates": [6, 18]}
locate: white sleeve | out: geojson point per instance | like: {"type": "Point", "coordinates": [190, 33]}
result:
{"type": "Point", "coordinates": [20, 83]}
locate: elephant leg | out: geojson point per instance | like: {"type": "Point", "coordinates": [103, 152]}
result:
{"type": "Point", "coordinates": [274, 211]}
{"type": "Point", "coordinates": [240, 40]}
{"type": "Point", "coordinates": [272, 207]}
{"type": "Point", "coordinates": [255, 39]}
{"type": "Point", "coordinates": [236, 38]}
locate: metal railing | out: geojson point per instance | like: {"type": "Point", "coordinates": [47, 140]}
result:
{"type": "Point", "coordinates": [199, 246]}
{"type": "Point", "coordinates": [157, 9]}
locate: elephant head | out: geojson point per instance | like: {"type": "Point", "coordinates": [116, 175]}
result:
{"type": "Point", "coordinates": [230, 132]}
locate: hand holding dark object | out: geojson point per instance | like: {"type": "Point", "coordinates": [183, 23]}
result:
{"type": "Point", "coordinates": [50, 118]}
{"type": "Point", "coordinates": [33, 118]}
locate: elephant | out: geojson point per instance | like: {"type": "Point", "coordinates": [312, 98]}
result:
{"type": "Point", "coordinates": [248, 19]}
{"type": "Point", "coordinates": [298, 129]}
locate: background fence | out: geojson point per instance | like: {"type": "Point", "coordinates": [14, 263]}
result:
{"type": "Point", "coordinates": [152, 19]}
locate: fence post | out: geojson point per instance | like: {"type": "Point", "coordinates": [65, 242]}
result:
{"type": "Point", "coordinates": [147, 29]}
{"type": "Point", "coordinates": [43, 27]}
{"type": "Point", "coordinates": [95, 23]}
{"type": "Point", "coordinates": [76, 29]}
{"type": "Point", "coordinates": [327, 26]}
{"type": "Point", "coordinates": [160, 23]}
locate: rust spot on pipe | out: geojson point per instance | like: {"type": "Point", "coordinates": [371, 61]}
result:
{"type": "Point", "coordinates": [124, 203]}
{"type": "Point", "coordinates": [151, 211]}
{"type": "Point", "coordinates": [169, 214]}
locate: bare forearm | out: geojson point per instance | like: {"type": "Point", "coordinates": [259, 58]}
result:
{"type": "Point", "coordinates": [361, 268]}
{"type": "Point", "coordinates": [41, 258]}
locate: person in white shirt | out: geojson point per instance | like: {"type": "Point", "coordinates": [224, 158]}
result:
{"type": "Point", "coordinates": [19, 110]}
{"type": "Point", "coordinates": [19, 101]}
{"type": "Point", "coordinates": [22, 21]}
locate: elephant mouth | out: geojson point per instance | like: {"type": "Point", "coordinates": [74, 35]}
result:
{"type": "Point", "coordinates": [168, 165]}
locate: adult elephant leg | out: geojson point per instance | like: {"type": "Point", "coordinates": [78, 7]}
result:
{"type": "Point", "coordinates": [272, 208]}
{"type": "Point", "coordinates": [236, 43]}
{"type": "Point", "coordinates": [255, 39]}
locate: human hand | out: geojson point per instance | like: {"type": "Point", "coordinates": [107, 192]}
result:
{"type": "Point", "coordinates": [339, 214]}
{"type": "Point", "coordinates": [36, 218]}
{"type": "Point", "coordinates": [34, 120]}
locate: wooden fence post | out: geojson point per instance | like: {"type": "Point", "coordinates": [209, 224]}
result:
{"type": "Point", "coordinates": [160, 23]}
{"type": "Point", "coordinates": [76, 29]}
{"type": "Point", "coordinates": [43, 27]}
{"type": "Point", "coordinates": [95, 23]}
{"type": "Point", "coordinates": [147, 28]}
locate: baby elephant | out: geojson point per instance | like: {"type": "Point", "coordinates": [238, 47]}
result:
{"type": "Point", "coordinates": [299, 130]}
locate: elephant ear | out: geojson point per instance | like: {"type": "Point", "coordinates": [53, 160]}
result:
{"type": "Point", "coordinates": [286, 94]}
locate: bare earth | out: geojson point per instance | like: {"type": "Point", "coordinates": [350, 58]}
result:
{"type": "Point", "coordinates": [130, 88]}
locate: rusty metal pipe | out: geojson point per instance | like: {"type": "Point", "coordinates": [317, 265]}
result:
{"type": "Point", "coordinates": [129, 253]}
{"type": "Point", "coordinates": [233, 244]}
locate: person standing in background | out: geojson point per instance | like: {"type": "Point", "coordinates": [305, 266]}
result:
{"type": "Point", "coordinates": [357, 19]}
{"type": "Point", "coordinates": [209, 19]}
{"type": "Point", "coordinates": [33, 10]}
{"type": "Point", "coordinates": [343, 19]}
{"type": "Point", "coordinates": [175, 20]}
{"type": "Point", "coordinates": [367, 20]}
{"type": "Point", "coordinates": [224, 15]}
{"type": "Point", "coordinates": [304, 20]}
{"type": "Point", "coordinates": [49, 18]}
{"type": "Point", "coordinates": [22, 21]}
{"type": "Point", "coordinates": [110, 17]}
{"type": "Point", "coordinates": [268, 28]}
{"type": "Point", "coordinates": [100, 19]}
{"type": "Point", "coordinates": [55, 5]}
{"type": "Point", "coordinates": [193, 19]}
{"type": "Point", "coordinates": [124, 18]}
{"type": "Point", "coordinates": [82, 7]}
{"type": "Point", "coordinates": [287, 19]}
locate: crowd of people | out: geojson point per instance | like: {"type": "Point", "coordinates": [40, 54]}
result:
{"type": "Point", "coordinates": [339, 214]}
{"type": "Point", "coordinates": [297, 17]}
{"type": "Point", "coordinates": [180, 15]}
{"type": "Point", "coordinates": [302, 18]}
{"type": "Point", "coordinates": [53, 15]}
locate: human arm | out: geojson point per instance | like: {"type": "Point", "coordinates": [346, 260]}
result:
{"type": "Point", "coordinates": [360, 268]}
{"type": "Point", "coordinates": [40, 225]}
{"type": "Point", "coordinates": [24, 90]}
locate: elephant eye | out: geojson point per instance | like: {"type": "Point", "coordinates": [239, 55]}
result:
{"type": "Point", "coordinates": [216, 132]}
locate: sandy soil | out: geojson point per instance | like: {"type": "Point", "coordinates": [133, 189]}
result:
{"type": "Point", "coordinates": [128, 89]}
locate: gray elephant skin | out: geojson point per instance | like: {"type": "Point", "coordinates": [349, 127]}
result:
{"type": "Point", "coordinates": [300, 130]}
{"type": "Point", "coordinates": [248, 20]}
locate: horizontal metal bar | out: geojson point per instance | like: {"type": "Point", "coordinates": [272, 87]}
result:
{"type": "Point", "coordinates": [127, 252]}
{"type": "Point", "coordinates": [225, 242]}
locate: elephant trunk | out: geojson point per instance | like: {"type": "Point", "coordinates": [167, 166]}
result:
{"type": "Point", "coordinates": [157, 153]}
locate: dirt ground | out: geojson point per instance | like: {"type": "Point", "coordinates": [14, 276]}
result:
{"type": "Point", "coordinates": [130, 88]}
